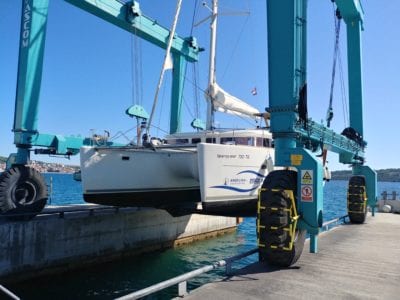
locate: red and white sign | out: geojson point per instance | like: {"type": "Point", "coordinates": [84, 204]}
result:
{"type": "Point", "coordinates": [307, 193]}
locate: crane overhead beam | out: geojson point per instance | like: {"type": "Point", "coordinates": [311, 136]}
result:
{"type": "Point", "coordinates": [129, 17]}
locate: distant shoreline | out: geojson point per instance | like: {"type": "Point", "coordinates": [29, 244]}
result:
{"type": "Point", "coordinates": [384, 175]}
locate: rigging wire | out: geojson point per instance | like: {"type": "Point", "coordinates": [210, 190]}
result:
{"type": "Point", "coordinates": [195, 75]}
{"type": "Point", "coordinates": [235, 46]}
{"type": "Point", "coordinates": [194, 71]}
{"type": "Point", "coordinates": [337, 20]}
{"type": "Point", "coordinates": [161, 108]}
{"type": "Point", "coordinates": [346, 117]}
{"type": "Point", "coordinates": [122, 133]}
{"type": "Point", "coordinates": [188, 108]}
{"type": "Point", "coordinates": [136, 68]}
{"type": "Point", "coordinates": [338, 60]}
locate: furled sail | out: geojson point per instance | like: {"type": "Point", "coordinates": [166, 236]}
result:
{"type": "Point", "coordinates": [225, 102]}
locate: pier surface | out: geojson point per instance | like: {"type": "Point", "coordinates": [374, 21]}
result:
{"type": "Point", "coordinates": [353, 262]}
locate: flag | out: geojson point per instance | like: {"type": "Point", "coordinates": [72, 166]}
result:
{"type": "Point", "coordinates": [169, 64]}
{"type": "Point", "coordinates": [254, 91]}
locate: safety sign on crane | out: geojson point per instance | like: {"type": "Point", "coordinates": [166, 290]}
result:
{"type": "Point", "coordinates": [307, 185]}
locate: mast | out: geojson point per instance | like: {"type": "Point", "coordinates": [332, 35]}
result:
{"type": "Point", "coordinates": [211, 75]}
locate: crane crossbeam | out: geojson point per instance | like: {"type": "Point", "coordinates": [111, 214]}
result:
{"type": "Point", "coordinates": [323, 136]}
{"type": "Point", "coordinates": [129, 17]}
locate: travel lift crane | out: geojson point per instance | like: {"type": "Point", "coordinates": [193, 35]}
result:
{"type": "Point", "coordinates": [23, 189]}
{"type": "Point", "coordinates": [290, 202]}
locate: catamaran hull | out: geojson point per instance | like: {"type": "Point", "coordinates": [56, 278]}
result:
{"type": "Point", "coordinates": [231, 176]}
{"type": "Point", "coordinates": [224, 178]}
{"type": "Point", "coordinates": [146, 198]}
{"type": "Point", "coordinates": [139, 177]}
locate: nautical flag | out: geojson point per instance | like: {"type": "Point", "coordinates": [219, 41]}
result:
{"type": "Point", "coordinates": [169, 64]}
{"type": "Point", "coordinates": [254, 91]}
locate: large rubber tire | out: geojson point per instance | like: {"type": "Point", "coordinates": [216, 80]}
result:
{"type": "Point", "coordinates": [356, 206]}
{"type": "Point", "coordinates": [282, 180]}
{"type": "Point", "coordinates": [23, 193]}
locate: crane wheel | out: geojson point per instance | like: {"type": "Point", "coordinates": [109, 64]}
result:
{"type": "Point", "coordinates": [357, 200]}
{"type": "Point", "coordinates": [23, 193]}
{"type": "Point", "coordinates": [280, 242]}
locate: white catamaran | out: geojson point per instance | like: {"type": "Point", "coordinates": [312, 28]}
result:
{"type": "Point", "coordinates": [220, 169]}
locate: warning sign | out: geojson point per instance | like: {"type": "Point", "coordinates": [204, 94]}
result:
{"type": "Point", "coordinates": [307, 177]}
{"type": "Point", "coordinates": [307, 193]}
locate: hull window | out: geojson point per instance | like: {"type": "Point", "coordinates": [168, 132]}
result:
{"type": "Point", "coordinates": [210, 140]}
{"type": "Point", "coordinates": [263, 142]}
{"type": "Point", "coordinates": [196, 141]}
{"type": "Point", "coordinates": [177, 141]}
{"type": "Point", "coordinates": [248, 141]}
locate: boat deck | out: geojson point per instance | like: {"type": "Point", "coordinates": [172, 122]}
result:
{"type": "Point", "coordinates": [354, 262]}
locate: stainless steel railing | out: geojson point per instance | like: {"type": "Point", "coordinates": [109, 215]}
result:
{"type": "Point", "coordinates": [10, 294]}
{"type": "Point", "coordinates": [326, 224]}
{"type": "Point", "coordinates": [181, 280]}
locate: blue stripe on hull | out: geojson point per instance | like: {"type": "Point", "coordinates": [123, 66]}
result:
{"type": "Point", "coordinates": [232, 188]}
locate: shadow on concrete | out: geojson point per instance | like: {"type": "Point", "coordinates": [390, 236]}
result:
{"type": "Point", "coordinates": [255, 268]}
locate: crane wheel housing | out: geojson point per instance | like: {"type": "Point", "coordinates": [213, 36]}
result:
{"type": "Point", "coordinates": [23, 193]}
{"type": "Point", "coordinates": [357, 200]}
{"type": "Point", "coordinates": [280, 242]}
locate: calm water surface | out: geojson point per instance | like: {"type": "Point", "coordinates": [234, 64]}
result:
{"type": "Point", "coordinates": [111, 280]}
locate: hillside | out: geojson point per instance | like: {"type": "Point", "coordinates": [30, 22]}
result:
{"type": "Point", "coordinates": [389, 175]}
{"type": "Point", "coordinates": [44, 166]}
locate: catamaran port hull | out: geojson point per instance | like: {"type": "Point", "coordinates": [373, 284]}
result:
{"type": "Point", "coordinates": [128, 176]}
{"type": "Point", "coordinates": [146, 198]}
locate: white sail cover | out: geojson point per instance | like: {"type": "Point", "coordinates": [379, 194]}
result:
{"type": "Point", "coordinates": [225, 102]}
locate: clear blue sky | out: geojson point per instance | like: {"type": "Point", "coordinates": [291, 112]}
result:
{"type": "Point", "coordinates": [87, 70]}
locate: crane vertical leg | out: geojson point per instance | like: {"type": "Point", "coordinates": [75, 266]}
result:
{"type": "Point", "coordinates": [371, 184]}
{"type": "Point", "coordinates": [355, 80]}
{"type": "Point", "coordinates": [23, 189]}
{"type": "Point", "coordinates": [309, 192]}
{"type": "Point", "coordinates": [30, 65]}
{"type": "Point", "coordinates": [177, 92]}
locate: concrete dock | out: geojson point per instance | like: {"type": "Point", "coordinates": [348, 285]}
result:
{"type": "Point", "coordinates": [354, 262]}
{"type": "Point", "coordinates": [65, 238]}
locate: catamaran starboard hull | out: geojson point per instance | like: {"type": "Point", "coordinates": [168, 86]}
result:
{"type": "Point", "coordinates": [231, 176]}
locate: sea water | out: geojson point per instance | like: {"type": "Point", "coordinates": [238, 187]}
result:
{"type": "Point", "coordinates": [118, 278]}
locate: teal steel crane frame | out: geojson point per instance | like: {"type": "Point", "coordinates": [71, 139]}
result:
{"type": "Point", "coordinates": [296, 137]}
{"type": "Point", "coordinates": [127, 16]}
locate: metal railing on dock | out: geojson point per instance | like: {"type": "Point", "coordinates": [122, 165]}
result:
{"type": "Point", "coordinates": [8, 293]}
{"type": "Point", "coordinates": [181, 280]}
{"type": "Point", "coordinates": [325, 225]}
{"type": "Point", "coordinates": [385, 195]}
